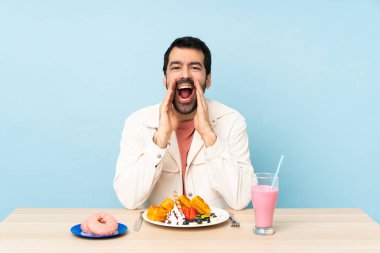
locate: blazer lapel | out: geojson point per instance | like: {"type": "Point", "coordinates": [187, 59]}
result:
{"type": "Point", "coordinates": [196, 145]}
{"type": "Point", "coordinates": [173, 149]}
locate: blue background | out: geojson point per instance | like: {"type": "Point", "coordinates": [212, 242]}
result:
{"type": "Point", "coordinates": [303, 73]}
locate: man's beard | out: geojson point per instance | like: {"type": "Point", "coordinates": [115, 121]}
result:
{"type": "Point", "coordinates": [190, 107]}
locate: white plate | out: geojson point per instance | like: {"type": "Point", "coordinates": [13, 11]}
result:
{"type": "Point", "coordinates": [221, 216]}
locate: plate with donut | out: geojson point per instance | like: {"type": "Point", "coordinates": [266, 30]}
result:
{"type": "Point", "coordinates": [181, 212]}
{"type": "Point", "coordinates": [99, 225]}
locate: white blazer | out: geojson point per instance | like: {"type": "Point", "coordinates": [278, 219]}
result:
{"type": "Point", "coordinates": [221, 174]}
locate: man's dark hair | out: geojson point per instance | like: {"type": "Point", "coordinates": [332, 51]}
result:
{"type": "Point", "coordinates": [190, 42]}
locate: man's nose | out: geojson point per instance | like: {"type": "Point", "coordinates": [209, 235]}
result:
{"type": "Point", "coordinates": [185, 73]}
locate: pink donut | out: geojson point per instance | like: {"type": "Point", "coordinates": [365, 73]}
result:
{"type": "Point", "coordinates": [84, 227]}
{"type": "Point", "coordinates": [101, 224]}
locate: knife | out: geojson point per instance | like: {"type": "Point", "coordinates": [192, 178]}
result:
{"type": "Point", "coordinates": [138, 222]}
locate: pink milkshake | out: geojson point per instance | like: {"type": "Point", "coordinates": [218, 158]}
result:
{"type": "Point", "coordinates": [264, 199]}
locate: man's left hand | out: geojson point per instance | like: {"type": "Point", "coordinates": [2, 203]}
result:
{"type": "Point", "coordinates": [201, 119]}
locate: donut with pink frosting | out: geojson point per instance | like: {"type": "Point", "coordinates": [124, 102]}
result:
{"type": "Point", "coordinates": [100, 224]}
{"type": "Point", "coordinates": [84, 228]}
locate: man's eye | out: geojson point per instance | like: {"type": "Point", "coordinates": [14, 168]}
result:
{"type": "Point", "coordinates": [195, 68]}
{"type": "Point", "coordinates": [174, 68]}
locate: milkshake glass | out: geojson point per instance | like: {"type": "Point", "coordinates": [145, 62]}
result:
{"type": "Point", "coordinates": [264, 199]}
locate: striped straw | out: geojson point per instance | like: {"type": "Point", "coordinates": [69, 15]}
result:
{"type": "Point", "coordinates": [278, 170]}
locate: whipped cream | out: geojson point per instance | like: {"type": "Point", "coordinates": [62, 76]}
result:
{"type": "Point", "coordinates": [175, 217]}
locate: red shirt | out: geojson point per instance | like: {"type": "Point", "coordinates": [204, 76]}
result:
{"type": "Point", "coordinates": [184, 132]}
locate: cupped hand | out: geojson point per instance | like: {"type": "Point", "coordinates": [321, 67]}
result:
{"type": "Point", "coordinates": [168, 121]}
{"type": "Point", "coordinates": [201, 118]}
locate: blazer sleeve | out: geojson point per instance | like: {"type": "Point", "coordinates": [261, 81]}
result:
{"type": "Point", "coordinates": [139, 164]}
{"type": "Point", "coordinates": [230, 169]}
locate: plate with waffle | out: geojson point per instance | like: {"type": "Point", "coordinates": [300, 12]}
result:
{"type": "Point", "coordinates": [181, 212]}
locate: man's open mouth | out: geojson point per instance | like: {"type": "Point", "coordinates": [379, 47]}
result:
{"type": "Point", "coordinates": [185, 92]}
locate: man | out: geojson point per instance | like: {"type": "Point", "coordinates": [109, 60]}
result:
{"type": "Point", "coordinates": [188, 143]}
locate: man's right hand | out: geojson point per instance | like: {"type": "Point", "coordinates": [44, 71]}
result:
{"type": "Point", "coordinates": [168, 119]}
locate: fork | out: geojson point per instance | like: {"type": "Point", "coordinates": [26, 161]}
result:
{"type": "Point", "coordinates": [138, 222]}
{"type": "Point", "coordinates": [234, 222]}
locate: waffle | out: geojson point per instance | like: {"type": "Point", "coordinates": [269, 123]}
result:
{"type": "Point", "coordinates": [168, 204]}
{"type": "Point", "coordinates": [157, 213]}
{"type": "Point", "coordinates": [185, 202]}
{"type": "Point", "coordinates": [200, 205]}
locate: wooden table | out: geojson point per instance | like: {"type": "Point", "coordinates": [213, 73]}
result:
{"type": "Point", "coordinates": [297, 230]}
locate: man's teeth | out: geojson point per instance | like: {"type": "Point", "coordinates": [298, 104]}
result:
{"type": "Point", "coordinates": [185, 87]}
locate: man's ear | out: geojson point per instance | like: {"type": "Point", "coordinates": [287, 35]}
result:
{"type": "Point", "coordinates": [164, 81]}
{"type": "Point", "coordinates": [208, 81]}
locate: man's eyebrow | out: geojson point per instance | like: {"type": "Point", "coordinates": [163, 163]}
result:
{"type": "Point", "coordinates": [174, 62]}
{"type": "Point", "coordinates": [191, 63]}
{"type": "Point", "coordinates": [196, 63]}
